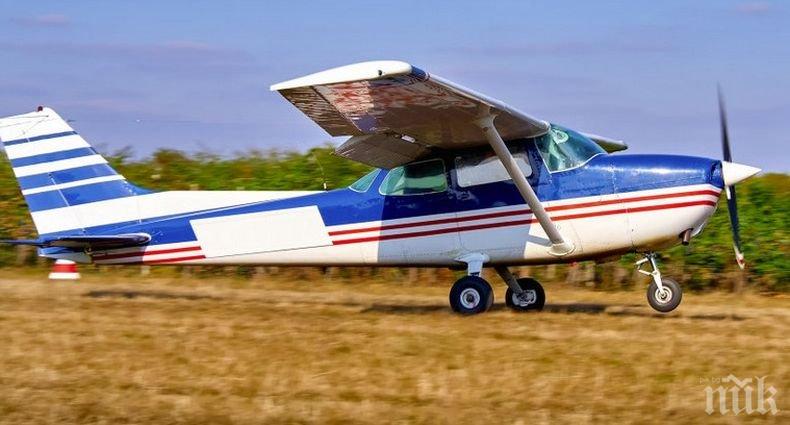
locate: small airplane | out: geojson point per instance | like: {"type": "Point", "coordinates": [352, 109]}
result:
{"type": "Point", "coordinates": [462, 180]}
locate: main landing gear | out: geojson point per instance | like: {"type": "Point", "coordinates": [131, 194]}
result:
{"type": "Point", "coordinates": [663, 294]}
{"type": "Point", "coordinates": [524, 294]}
{"type": "Point", "coordinates": [471, 294]}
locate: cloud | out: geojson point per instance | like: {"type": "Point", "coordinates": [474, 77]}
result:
{"type": "Point", "coordinates": [569, 48]}
{"type": "Point", "coordinates": [42, 21]}
{"type": "Point", "coordinates": [162, 56]}
{"type": "Point", "coordinates": [754, 8]}
{"type": "Point", "coordinates": [169, 49]}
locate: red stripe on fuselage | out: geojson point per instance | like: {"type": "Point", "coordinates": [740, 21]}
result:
{"type": "Point", "coordinates": [521, 222]}
{"type": "Point", "coordinates": [522, 212]}
{"type": "Point", "coordinates": [174, 260]}
{"type": "Point", "coordinates": [146, 253]}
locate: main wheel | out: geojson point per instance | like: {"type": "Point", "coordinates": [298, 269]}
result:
{"type": "Point", "coordinates": [531, 299]}
{"type": "Point", "coordinates": [471, 295]}
{"type": "Point", "coordinates": [666, 300]}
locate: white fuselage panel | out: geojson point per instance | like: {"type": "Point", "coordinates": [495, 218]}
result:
{"type": "Point", "coordinates": [268, 231]}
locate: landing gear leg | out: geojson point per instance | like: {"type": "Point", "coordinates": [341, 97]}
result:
{"type": "Point", "coordinates": [471, 294]}
{"type": "Point", "coordinates": [663, 294]}
{"type": "Point", "coordinates": [524, 294]}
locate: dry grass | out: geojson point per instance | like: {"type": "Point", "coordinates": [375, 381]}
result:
{"type": "Point", "coordinates": [279, 352]}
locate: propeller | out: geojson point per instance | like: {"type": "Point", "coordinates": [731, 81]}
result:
{"type": "Point", "coordinates": [732, 204]}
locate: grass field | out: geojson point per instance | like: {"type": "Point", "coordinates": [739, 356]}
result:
{"type": "Point", "coordinates": [271, 351]}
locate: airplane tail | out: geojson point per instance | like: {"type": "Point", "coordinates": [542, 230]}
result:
{"type": "Point", "coordinates": [59, 173]}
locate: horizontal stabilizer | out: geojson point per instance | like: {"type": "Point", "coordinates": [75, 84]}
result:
{"type": "Point", "coordinates": [85, 242]}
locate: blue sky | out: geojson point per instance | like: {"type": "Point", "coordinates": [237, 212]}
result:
{"type": "Point", "coordinates": [194, 75]}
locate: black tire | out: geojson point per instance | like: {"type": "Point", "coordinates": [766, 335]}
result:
{"type": "Point", "coordinates": [471, 295]}
{"type": "Point", "coordinates": [526, 284]}
{"type": "Point", "coordinates": [666, 302]}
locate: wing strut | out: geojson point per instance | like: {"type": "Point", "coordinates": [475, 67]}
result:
{"type": "Point", "coordinates": [559, 246]}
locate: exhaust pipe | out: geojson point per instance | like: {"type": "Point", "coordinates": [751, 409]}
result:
{"type": "Point", "coordinates": [685, 237]}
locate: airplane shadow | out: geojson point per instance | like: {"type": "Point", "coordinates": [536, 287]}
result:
{"type": "Point", "coordinates": [426, 309]}
{"type": "Point", "coordinates": [128, 294]}
{"type": "Point", "coordinates": [626, 310]}
{"type": "Point", "coordinates": [635, 310]}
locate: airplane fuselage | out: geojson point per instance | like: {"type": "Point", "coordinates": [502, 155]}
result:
{"type": "Point", "coordinates": [609, 206]}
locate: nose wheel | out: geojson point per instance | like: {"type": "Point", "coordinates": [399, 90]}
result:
{"type": "Point", "coordinates": [666, 298]}
{"type": "Point", "coordinates": [663, 294]}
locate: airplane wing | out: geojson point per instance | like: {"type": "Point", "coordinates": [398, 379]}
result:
{"type": "Point", "coordinates": [402, 105]}
{"type": "Point", "coordinates": [396, 112]}
{"type": "Point", "coordinates": [86, 242]}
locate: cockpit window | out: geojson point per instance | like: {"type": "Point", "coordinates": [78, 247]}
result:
{"type": "Point", "coordinates": [484, 167]}
{"type": "Point", "coordinates": [419, 178]}
{"type": "Point", "coordinates": [563, 149]}
{"type": "Point", "coordinates": [363, 184]}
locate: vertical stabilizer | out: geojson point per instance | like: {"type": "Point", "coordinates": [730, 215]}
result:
{"type": "Point", "coordinates": [58, 170]}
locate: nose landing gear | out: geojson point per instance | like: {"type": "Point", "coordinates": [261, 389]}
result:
{"type": "Point", "coordinates": [663, 294]}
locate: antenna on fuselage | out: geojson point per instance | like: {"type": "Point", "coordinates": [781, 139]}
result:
{"type": "Point", "coordinates": [320, 167]}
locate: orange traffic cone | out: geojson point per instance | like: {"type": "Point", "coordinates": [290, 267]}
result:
{"type": "Point", "coordinates": [64, 270]}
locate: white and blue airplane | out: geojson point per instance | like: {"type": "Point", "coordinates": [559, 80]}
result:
{"type": "Point", "coordinates": [462, 180]}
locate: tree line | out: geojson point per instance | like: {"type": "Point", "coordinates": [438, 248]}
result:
{"type": "Point", "coordinates": [707, 263]}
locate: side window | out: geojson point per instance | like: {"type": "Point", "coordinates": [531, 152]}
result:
{"type": "Point", "coordinates": [485, 167]}
{"type": "Point", "coordinates": [363, 184]}
{"type": "Point", "coordinates": [415, 179]}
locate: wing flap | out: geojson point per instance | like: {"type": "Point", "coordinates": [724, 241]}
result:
{"type": "Point", "coordinates": [381, 150]}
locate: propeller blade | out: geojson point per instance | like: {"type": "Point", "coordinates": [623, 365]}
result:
{"type": "Point", "coordinates": [732, 203]}
{"type": "Point", "coordinates": [725, 135]}
{"type": "Point", "coordinates": [732, 208]}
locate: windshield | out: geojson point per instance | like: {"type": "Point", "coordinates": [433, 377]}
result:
{"type": "Point", "coordinates": [563, 149]}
